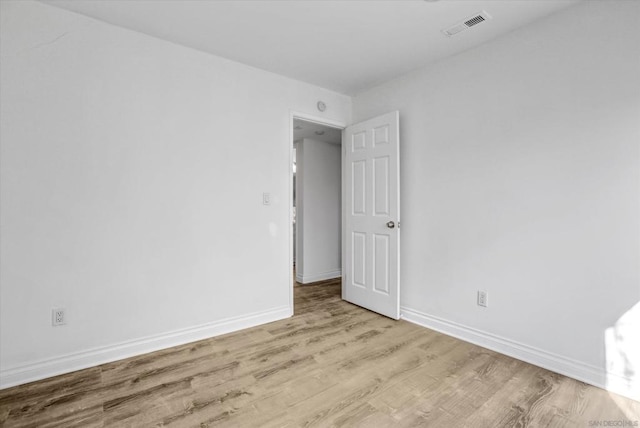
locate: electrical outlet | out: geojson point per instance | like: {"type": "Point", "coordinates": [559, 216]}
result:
{"type": "Point", "coordinates": [58, 317]}
{"type": "Point", "coordinates": [482, 298]}
{"type": "Point", "coordinates": [266, 198]}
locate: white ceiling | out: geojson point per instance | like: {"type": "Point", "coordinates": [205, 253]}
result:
{"type": "Point", "coordinates": [316, 131]}
{"type": "Point", "coordinates": [347, 46]}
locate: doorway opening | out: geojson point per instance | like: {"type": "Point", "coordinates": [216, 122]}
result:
{"type": "Point", "coordinates": [316, 218]}
{"type": "Point", "coordinates": [369, 214]}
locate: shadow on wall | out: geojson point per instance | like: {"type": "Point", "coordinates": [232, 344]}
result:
{"type": "Point", "coordinates": [622, 346]}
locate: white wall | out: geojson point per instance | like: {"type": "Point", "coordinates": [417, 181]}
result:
{"type": "Point", "coordinates": [318, 210]}
{"type": "Point", "coordinates": [520, 177]}
{"type": "Point", "coordinates": [132, 177]}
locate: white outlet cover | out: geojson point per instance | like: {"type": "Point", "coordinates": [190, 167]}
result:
{"type": "Point", "coordinates": [482, 298]}
{"type": "Point", "coordinates": [58, 316]}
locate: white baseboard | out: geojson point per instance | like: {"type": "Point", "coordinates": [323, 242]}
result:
{"type": "Point", "coordinates": [587, 373]}
{"type": "Point", "coordinates": [305, 279]}
{"type": "Point", "coordinates": [90, 358]}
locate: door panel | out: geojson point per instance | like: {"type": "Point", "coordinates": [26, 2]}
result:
{"type": "Point", "coordinates": [359, 194]}
{"type": "Point", "coordinates": [371, 188]}
{"type": "Point", "coordinates": [381, 263]}
{"type": "Point", "coordinates": [359, 257]}
{"type": "Point", "coordinates": [381, 186]}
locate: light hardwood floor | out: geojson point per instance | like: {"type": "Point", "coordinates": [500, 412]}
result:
{"type": "Point", "coordinates": [332, 364]}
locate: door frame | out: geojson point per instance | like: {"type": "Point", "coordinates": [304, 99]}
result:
{"type": "Point", "coordinates": [322, 121]}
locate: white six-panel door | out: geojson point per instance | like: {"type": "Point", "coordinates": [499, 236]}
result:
{"type": "Point", "coordinates": [371, 187]}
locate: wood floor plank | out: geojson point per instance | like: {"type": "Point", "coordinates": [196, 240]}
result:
{"type": "Point", "coordinates": [331, 364]}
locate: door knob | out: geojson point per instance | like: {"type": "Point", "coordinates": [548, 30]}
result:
{"type": "Point", "coordinates": [391, 224]}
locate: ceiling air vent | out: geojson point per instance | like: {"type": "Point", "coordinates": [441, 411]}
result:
{"type": "Point", "coordinates": [467, 23]}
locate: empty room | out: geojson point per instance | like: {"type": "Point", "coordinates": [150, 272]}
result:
{"type": "Point", "coordinates": [320, 213]}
